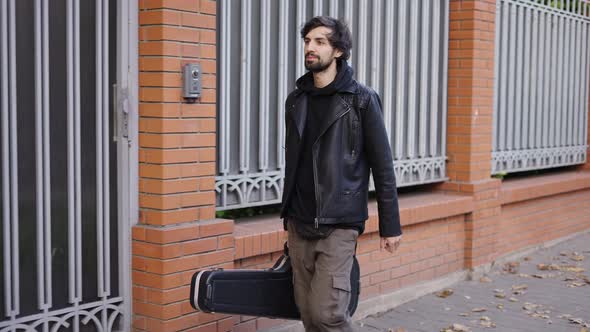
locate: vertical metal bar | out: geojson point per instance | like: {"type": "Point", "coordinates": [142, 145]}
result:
{"type": "Point", "coordinates": [559, 98]}
{"type": "Point", "coordinates": [376, 67]}
{"type": "Point", "coordinates": [546, 105]}
{"type": "Point", "coordinates": [413, 80]}
{"type": "Point", "coordinates": [46, 160]}
{"type": "Point", "coordinates": [568, 61]}
{"type": "Point", "coordinates": [499, 37]}
{"type": "Point", "coordinates": [6, 198]}
{"type": "Point", "coordinates": [334, 8]}
{"type": "Point", "coordinates": [264, 78]}
{"type": "Point", "coordinates": [70, 148]}
{"type": "Point", "coordinates": [443, 136]}
{"type": "Point", "coordinates": [585, 75]}
{"type": "Point", "coordinates": [503, 85]}
{"type": "Point", "coordinates": [518, 111]}
{"type": "Point", "coordinates": [39, 153]}
{"type": "Point", "coordinates": [540, 81]}
{"type": "Point", "coordinates": [246, 77]}
{"type": "Point", "coordinates": [388, 69]}
{"type": "Point", "coordinates": [400, 109]}
{"type": "Point", "coordinates": [99, 149]}
{"type": "Point", "coordinates": [13, 161]}
{"type": "Point", "coordinates": [511, 81]}
{"type": "Point", "coordinates": [282, 80]}
{"type": "Point", "coordinates": [299, 56]}
{"type": "Point", "coordinates": [573, 135]}
{"type": "Point", "coordinates": [77, 153]}
{"type": "Point", "coordinates": [348, 14]}
{"type": "Point", "coordinates": [434, 79]}
{"type": "Point", "coordinates": [106, 152]}
{"type": "Point", "coordinates": [224, 115]}
{"type": "Point", "coordinates": [534, 51]}
{"type": "Point", "coordinates": [552, 95]}
{"type": "Point", "coordinates": [424, 67]}
{"type": "Point", "coordinates": [318, 7]}
{"type": "Point", "coordinates": [362, 42]}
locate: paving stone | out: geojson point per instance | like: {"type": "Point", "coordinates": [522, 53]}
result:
{"type": "Point", "coordinates": [428, 313]}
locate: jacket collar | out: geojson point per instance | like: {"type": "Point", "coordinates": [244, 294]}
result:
{"type": "Point", "coordinates": [338, 107]}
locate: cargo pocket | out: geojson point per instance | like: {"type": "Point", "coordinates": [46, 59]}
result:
{"type": "Point", "coordinates": [341, 297]}
{"type": "Point", "coordinates": [341, 282]}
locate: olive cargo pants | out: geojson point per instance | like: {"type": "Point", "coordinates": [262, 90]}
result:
{"type": "Point", "coordinates": [321, 278]}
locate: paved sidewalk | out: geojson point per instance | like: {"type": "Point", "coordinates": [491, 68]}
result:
{"type": "Point", "coordinates": [520, 295]}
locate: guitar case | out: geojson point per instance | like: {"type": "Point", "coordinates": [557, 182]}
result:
{"type": "Point", "coordinates": [263, 293]}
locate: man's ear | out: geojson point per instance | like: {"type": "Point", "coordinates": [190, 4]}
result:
{"type": "Point", "coordinates": [337, 53]}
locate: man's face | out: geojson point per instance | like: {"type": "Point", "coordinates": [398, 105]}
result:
{"type": "Point", "coordinates": [319, 54]}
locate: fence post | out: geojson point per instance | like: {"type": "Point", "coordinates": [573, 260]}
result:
{"type": "Point", "coordinates": [470, 122]}
{"type": "Point", "coordinates": [178, 232]}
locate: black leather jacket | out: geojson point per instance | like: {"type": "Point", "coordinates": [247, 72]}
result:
{"type": "Point", "coordinates": [353, 140]}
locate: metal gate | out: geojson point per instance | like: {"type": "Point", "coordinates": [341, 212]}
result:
{"type": "Point", "coordinates": [63, 260]}
{"type": "Point", "coordinates": [541, 90]}
{"type": "Point", "coordinates": [400, 50]}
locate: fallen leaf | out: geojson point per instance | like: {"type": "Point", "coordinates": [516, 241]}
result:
{"type": "Point", "coordinates": [511, 267]}
{"type": "Point", "coordinates": [547, 267]}
{"type": "Point", "coordinates": [485, 321]}
{"type": "Point", "coordinates": [569, 279]}
{"type": "Point", "coordinates": [445, 293]}
{"type": "Point", "coordinates": [478, 309]}
{"type": "Point", "coordinates": [485, 279]}
{"type": "Point", "coordinates": [464, 314]}
{"type": "Point", "coordinates": [468, 297]}
{"type": "Point", "coordinates": [520, 287]}
{"type": "Point", "coordinates": [564, 316]}
{"type": "Point", "coordinates": [447, 309]}
{"type": "Point", "coordinates": [500, 295]}
{"type": "Point", "coordinates": [500, 306]}
{"type": "Point", "coordinates": [524, 275]}
{"type": "Point", "coordinates": [530, 306]}
{"type": "Point", "coordinates": [584, 329]}
{"type": "Point", "coordinates": [527, 259]}
{"type": "Point", "coordinates": [578, 258]}
{"type": "Point", "coordinates": [460, 328]}
{"type": "Point", "coordinates": [399, 329]}
{"type": "Point", "coordinates": [513, 299]}
{"type": "Point", "coordinates": [571, 268]}
{"type": "Point", "coordinates": [578, 321]}
{"type": "Point", "coordinates": [563, 253]}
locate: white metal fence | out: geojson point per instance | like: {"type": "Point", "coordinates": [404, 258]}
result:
{"type": "Point", "coordinates": [541, 90]}
{"type": "Point", "coordinates": [400, 50]}
{"type": "Point", "coordinates": [59, 261]}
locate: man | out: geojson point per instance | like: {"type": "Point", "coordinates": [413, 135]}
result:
{"type": "Point", "coordinates": [334, 135]}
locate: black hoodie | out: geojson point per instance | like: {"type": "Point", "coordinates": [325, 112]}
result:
{"type": "Point", "coordinates": [302, 206]}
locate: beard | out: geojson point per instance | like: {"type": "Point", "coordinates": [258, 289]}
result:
{"type": "Point", "coordinates": [319, 66]}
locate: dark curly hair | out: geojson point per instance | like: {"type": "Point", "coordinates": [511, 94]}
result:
{"type": "Point", "coordinates": [340, 38]}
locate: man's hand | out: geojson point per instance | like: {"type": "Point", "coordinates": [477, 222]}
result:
{"type": "Point", "coordinates": [390, 243]}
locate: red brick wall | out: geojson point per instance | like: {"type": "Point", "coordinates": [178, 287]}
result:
{"type": "Point", "coordinates": [531, 222]}
{"type": "Point", "coordinates": [470, 122]}
{"type": "Point", "coordinates": [177, 233]}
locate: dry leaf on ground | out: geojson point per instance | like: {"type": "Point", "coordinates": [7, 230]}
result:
{"type": "Point", "coordinates": [478, 309]}
{"type": "Point", "coordinates": [485, 279]}
{"type": "Point", "coordinates": [445, 293]}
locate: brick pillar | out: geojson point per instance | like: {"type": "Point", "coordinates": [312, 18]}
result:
{"type": "Point", "coordinates": [470, 122]}
{"type": "Point", "coordinates": [178, 233]}
{"type": "Point", "coordinates": [586, 166]}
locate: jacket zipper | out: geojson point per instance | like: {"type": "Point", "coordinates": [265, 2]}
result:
{"type": "Point", "coordinates": [315, 174]}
